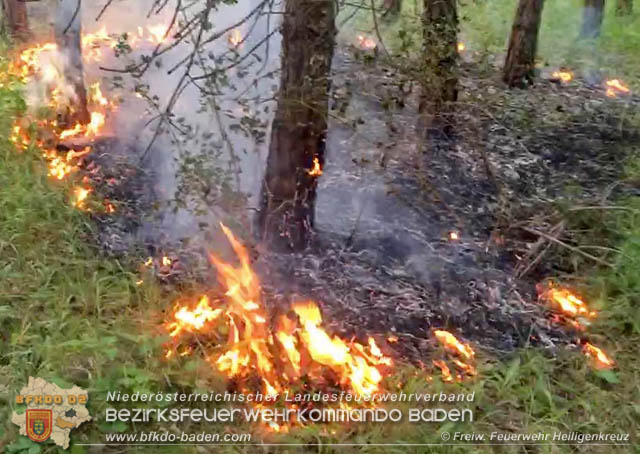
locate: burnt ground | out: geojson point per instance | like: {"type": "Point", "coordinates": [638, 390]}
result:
{"type": "Point", "coordinates": [382, 261]}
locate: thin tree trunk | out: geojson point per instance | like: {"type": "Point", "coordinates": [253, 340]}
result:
{"type": "Point", "coordinates": [17, 21]}
{"type": "Point", "coordinates": [392, 8]}
{"type": "Point", "coordinates": [300, 124]}
{"type": "Point", "coordinates": [624, 7]}
{"type": "Point", "coordinates": [68, 31]}
{"type": "Point", "coordinates": [519, 66]}
{"type": "Point", "coordinates": [592, 15]}
{"type": "Point", "coordinates": [440, 56]}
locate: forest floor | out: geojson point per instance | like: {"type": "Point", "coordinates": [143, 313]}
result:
{"type": "Point", "coordinates": [555, 161]}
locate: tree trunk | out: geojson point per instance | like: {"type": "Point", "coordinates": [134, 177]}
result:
{"type": "Point", "coordinates": [624, 7]}
{"type": "Point", "coordinates": [592, 15]}
{"type": "Point", "coordinates": [16, 19]}
{"type": "Point", "coordinates": [439, 75]}
{"type": "Point", "coordinates": [519, 66]}
{"type": "Point", "coordinates": [392, 8]}
{"type": "Point", "coordinates": [68, 31]}
{"type": "Point", "coordinates": [300, 124]}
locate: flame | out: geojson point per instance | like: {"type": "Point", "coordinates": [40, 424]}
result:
{"type": "Point", "coordinates": [615, 87]}
{"type": "Point", "coordinates": [280, 355]}
{"type": "Point", "coordinates": [446, 372]}
{"type": "Point", "coordinates": [366, 43]}
{"type": "Point", "coordinates": [234, 38]}
{"type": "Point", "coordinates": [60, 167]}
{"type": "Point", "coordinates": [166, 261]}
{"type": "Point", "coordinates": [451, 343]}
{"type": "Point", "coordinates": [567, 302]}
{"type": "Point", "coordinates": [562, 76]}
{"type": "Point", "coordinates": [157, 33]}
{"type": "Point", "coordinates": [76, 130]}
{"type": "Point", "coordinates": [317, 170]}
{"type": "Point", "coordinates": [453, 236]}
{"type": "Point", "coordinates": [80, 197]}
{"type": "Point", "coordinates": [193, 320]}
{"type": "Point", "coordinates": [95, 95]}
{"type": "Point", "coordinates": [602, 361]}
{"type": "Point", "coordinates": [461, 47]}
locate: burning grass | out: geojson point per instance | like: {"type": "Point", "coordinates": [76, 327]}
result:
{"type": "Point", "coordinates": [249, 343]}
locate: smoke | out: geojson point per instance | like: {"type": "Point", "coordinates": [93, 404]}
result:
{"type": "Point", "coordinates": [203, 152]}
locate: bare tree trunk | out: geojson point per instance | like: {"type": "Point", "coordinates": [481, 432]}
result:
{"type": "Point", "coordinates": [624, 7]}
{"type": "Point", "coordinates": [16, 19]}
{"type": "Point", "coordinates": [519, 66]}
{"type": "Point", "coordinates": [300, 124]}
{"type": "Point", "coordinates": [592, 15]}
{"type": "Point", "coordinates": [68, 31]}
{"type": "Point", "coordinates": [440, 56]}
{"type": "Point", "coordinates": [392, 8]}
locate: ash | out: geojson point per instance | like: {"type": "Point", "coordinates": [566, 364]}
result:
{"type": "Point", "coordinates": [382, 262]}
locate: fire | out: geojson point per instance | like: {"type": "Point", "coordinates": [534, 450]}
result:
{"type": "Point", "coordinates": [453, 345]}
{"type": "Point", "coordinates": [615, 87]}
{"type": "Point", "coordinates": [601, 360]}
{"type": "Point", "coordinates": [96, 95]}
{"type": "Point", "coordinates": [567, 302]}
{"type": "Point", "coordinates": [296, 345]}
{"type": "Point", "coordinates": [76, 130]}
{"type": "Point", "coordinates": [450, 342]}
{"type": "Point", "coordinates": [80, 197]}
{"type": "Point", "coordinates": [562, 76]}
{"type": "Point", "coordinates": [234, 38]}
{"type": "Point", "coordinates": [60, 167]}
{"type": "Point", "coordinates": [317, 170]}
{"type": "Point", "coordinates": [461, 47]}
{"type": "Point", "coordinates": [193, 320]}
{"type": "Point", "coordinates": [453, 236]}
{"type": "Point", "coordinates": [166, 261]}
{"type": "Point", "coordinates": [95, 125]}
{"type": "Point", "coordinates": [366, 43]}
{"type": "Point", "coordinates": [157, 33]}
{"type": "Point", "coordinates": [446, 372]}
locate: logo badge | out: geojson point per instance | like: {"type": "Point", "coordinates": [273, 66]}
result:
{"type": "Point", "coordinates": [39, 424]}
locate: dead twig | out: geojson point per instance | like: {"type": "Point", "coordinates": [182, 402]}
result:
{"type": "Point", "coordinates": [568, 246]}
{"type": "Point", "coordinates": [522, 269]}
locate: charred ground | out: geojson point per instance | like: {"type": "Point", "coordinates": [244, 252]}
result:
{"type": "Point", "coordinates": [382, 260]}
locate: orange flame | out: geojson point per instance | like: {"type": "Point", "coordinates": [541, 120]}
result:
{"type": "Point", "coordinates": [317, 170]}
{"type": "Point", "coordinates": [615, 87]}
{"type": "Point", "coordinates": [234, 38]}
{"type": "Point", "coordinates": [562, 76]}
{"type": "Point", "coordinates": [278, 357]}
{"type": "Point", "coordinates": [602, 361]}
{"type": "Point", "coordinates": [80, 197]}
{"type": "Point", "coordinates": [567, 302]}
{"type": "Point", "coordinates": [461, 47]}
{"type": "Point", "coordinates": [450, 342]}
{"type": "Point", "coordinates": [446, 372]}
{"type": "Point", "coordinates": [366, 43]}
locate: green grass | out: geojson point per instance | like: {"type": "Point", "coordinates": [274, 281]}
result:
{"type": "Point", "coordinates": [485, 27]}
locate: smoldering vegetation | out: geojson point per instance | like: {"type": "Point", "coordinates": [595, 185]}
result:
{"type": "Point", "coordinates": [383, 256]}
